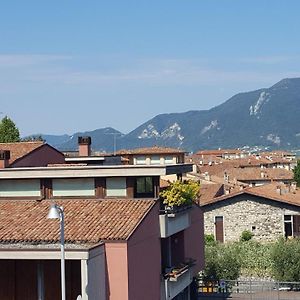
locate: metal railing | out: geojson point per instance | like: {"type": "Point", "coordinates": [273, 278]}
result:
{"type": "Point", "coordinates": [249, 290]}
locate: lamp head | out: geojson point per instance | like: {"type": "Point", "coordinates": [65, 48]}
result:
{"type": "Point", "coordinates": [54, 212]}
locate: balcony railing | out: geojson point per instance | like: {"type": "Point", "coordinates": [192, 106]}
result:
{"type": "Point", "coordinates": [173, 221]}
{"type": "Point", "coordinates": [177, 279]}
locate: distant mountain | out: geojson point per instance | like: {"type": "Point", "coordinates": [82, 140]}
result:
{"type": "Point", "coordinates": [267, 117]}
{"type": "Point", "coordinates": [102, 139]}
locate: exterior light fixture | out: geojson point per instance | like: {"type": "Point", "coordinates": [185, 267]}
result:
{"type": "Point", "coordinates": [57, 212]}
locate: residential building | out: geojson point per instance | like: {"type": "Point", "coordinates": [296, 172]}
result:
{"type": "Point", "coordinates": [120, 241]}
{"type": "Point", "coordinates": [268, 211]}
{"type": "Point", "coordinates": [29, 154]}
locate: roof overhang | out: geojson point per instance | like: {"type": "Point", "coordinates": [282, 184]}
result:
{"type": "Point", "coordinates": [85, 252]}
{"type": "Point", "coordinates": [93, 171]}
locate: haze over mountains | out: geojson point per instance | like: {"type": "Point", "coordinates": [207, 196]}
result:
{"type": "Point", "coordinates": [267, 117]}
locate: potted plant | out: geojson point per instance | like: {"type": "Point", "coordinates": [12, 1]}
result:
{"type": "Point", "coordinates": [180, 195]}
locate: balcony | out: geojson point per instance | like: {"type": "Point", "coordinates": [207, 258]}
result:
{"type": "Point", "coordinates": [173, 221]}
{"type": "Point", "coordinates": [177, 279]}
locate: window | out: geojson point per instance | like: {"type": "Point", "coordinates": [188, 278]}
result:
{"type": "Point", "coordinates": [116, 187]}
{"type": "Point", "coordinates": [169, 160]}
{"type": "Point", "coordinates": [73, 187]}
{"type": "Point", "coordinates": [20, 188]}
{"type": "Point", "coordinates": [292, 226]}
{"type": "Point", "coordinates": [144, 187]}
{"type": "Point", "coordinates": [141, 160]}
{"type": "Point", "coordinates": [288, 226]}
{"type": "Point", "coordinates": [155, 160]}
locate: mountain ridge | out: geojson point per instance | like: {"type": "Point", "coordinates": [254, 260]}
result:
{"type": "Point", "coordinates": [266, 117]}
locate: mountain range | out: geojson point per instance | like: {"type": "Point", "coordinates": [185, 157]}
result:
{"type": "Point", "coordinates": [268, 117]}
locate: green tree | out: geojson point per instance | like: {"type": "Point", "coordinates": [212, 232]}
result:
{"type": "Point", "coordinates": [180, 193]}
{"type": "Point", "coordinates": [222, 261]}
{"type": "Point", "coordinates": [8, 131]}
{"type": "Point", "coordinates": [297, 173]}
{"type": "Point", "coordinates": [286, 260]}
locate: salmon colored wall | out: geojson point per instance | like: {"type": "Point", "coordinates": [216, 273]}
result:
{"type": "Point", "coordinates": [117, 271]}
{"type": "Point", "coordinates": [144, 259]}
{"type": "Point", "coordinates": [194, 239]}
{"type": "Point", "coordinates": [40, 157]}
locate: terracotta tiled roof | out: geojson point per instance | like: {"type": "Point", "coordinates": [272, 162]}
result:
{"type": "Point", "coordinates": [268, 191]}
{"type": "Point", "coordinates": [164, 183]}
{"type": "Point", "coordinates": [246, 174]}
{"type": "Point", "coordinates": [209, 191]}
{"type": "Point", "coordinates": [20, 149]}
{"type": "Point", "coordinates": [86, 221]}
{"type": "Point", "coordinates": [151, 150]}
{"type": "Point", "coordinates": [219, 152]}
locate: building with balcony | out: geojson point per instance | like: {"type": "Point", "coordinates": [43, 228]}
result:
{"type": "Point", "coordinates": [120, 242]}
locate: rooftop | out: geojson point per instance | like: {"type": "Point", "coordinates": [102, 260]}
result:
{"type": "Point", "coordinates": [151, 150]}
{"type": "Point", "coordinates": [20, 149]}
{"type": "Point", "coordinates": [273, 191]}
{"type": "Point", "coordinates": [86, 221]}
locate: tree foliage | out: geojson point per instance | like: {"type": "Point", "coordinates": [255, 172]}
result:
{"type": "Point", "coordinates": [8, 131]}
{"type": "Point", "coordinates": [180, 193]}
{"type": "Point", "coordinates": [297, 173]}
{"type": "Point", "coordinates": [222, 261]}
{"type": "Point", "coordinates": [286, 260]}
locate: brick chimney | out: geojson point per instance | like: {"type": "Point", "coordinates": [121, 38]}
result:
{"type": "Point", "coordinates": [4, 158]}
{"type": "Point", "coordinates": [84, 143]}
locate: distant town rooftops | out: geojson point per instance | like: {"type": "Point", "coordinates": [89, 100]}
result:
{"type": "Point", "coordinates": [151, 150]}
{"type": "Point", "coordinates": [219, 152]}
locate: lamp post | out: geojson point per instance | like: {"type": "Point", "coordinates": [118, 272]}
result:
{"type": "Point", "coordinates": [57, 212]}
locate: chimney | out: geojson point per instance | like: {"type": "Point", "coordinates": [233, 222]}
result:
{"type": "Point", "coordinates": [194, 168]}
{"type": "Point", "coordinates": [207, 176]}
{"type": "Point", "coordinates": [278, 189]}
{"type": "Point", "coordinates": [227, 190]}
{"type": "Point", "coordinates": [4, 158]}
{"type": "Point", "coordinates": [293, 187]}
{"type": "Point", "coordinates": [226, 177]}
{"type": "Point", "coordinates": [84, 143]}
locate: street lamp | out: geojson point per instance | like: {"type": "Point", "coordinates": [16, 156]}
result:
{"type": "Point", "coordinates": [57, 212]}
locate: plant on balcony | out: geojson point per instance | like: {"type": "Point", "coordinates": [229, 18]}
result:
{"type": "Point", "coordinates": [180, 193]}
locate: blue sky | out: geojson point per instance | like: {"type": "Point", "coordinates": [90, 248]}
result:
{"type": "Point", "coordinates": [68, 66]}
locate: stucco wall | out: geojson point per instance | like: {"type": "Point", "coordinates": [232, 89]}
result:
{"type": "Point", "coordinates": [245, 211]}
{"type": "Point", "coordinates": [144, 259]}
{"type": "Point", "coordinates": [96, 266]}
{"type": "Point", "coordinates": [117, 271]}
{"type": "Point", "coordinates": [40, 157]}
{"type": "Point", "coordinates": [194, 239]}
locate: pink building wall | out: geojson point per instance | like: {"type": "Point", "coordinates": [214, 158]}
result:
{"type": "Point", "coordinates": [194, 239]}
{"type": "Point", "coordinates": [144, 259]}
{"type": "Point", "coordinates": [117, 271]}
{"type": "Point", "coordinates": [40, 157]}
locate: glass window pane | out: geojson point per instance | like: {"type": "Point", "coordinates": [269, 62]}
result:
{"type": "Point", "coordinates": [116, 187]}
{"type": "Point", "coordinates": [20, 188]}
{"type": "Point", "coordinates": [73, 187]}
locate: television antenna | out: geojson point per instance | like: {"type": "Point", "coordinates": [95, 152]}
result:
{"type": "Point", "coordinates": [115, 134]}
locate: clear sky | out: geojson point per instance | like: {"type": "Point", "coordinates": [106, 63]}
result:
{"type": "Point", "coordinates": [68, 66]}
